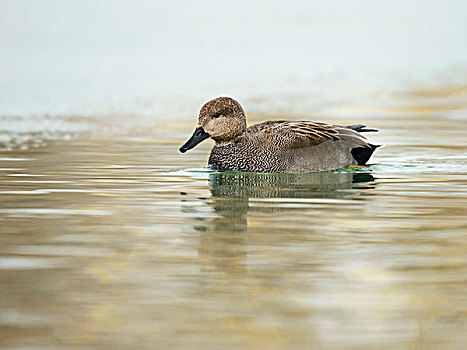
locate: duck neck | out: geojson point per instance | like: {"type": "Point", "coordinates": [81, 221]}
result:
{"type": "Point", "coordinates": [221, 143]}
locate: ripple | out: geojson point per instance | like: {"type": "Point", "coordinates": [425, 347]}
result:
{"type": "Point", "coordinates": [17, 263]}
{"type": "Point", "coordinates": [50, 211]}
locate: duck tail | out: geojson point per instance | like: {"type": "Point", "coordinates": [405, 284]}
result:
{"type": "Point", "coordinates": [360, 128]}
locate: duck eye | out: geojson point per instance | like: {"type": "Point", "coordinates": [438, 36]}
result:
{"type": "Point", "coordinates": [216, 115]}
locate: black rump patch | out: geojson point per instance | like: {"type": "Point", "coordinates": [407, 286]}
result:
{"type": "Point", "coordinates": [362, 154]}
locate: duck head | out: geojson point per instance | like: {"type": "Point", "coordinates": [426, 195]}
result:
{"type": "Point", "coordinates": [221, 119]}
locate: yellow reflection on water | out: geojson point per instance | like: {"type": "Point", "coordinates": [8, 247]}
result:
{"type": "Point", "coordinates": [108, 249]}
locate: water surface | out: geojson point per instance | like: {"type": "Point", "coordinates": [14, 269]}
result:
{"type": "Point", "coordinates": [122, 242]}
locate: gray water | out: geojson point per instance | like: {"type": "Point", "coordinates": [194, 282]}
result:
{"type": "Point", "coordinates": [111, 239]}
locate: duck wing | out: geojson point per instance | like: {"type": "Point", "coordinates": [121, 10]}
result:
{"type": "Point", "coordinates": [299, 134]}
{"type": "Point", "coordinates": [294, 134]}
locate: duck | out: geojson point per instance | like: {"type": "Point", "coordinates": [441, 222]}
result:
{"type": "Point", "coordinates": [279, 146]}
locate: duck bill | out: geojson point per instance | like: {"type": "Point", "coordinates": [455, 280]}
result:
{"type": "Point", "coordinates": [198, 136]}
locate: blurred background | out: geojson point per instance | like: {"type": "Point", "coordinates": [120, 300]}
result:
{"type": "Point", "coordinates": [145, 61]}
{"type": "Point", "coordinates": [112, 239]}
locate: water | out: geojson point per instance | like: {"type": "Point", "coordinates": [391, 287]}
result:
{"type": "Point", "coordinates": [112, 239]}
{"type": "Point", "coordinates": [122, 242]}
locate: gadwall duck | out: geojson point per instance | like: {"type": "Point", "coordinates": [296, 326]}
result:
{"type": "Point", "coordinates": [276, 146]}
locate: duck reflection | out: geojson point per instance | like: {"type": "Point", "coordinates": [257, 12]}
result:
{"type": "Point", "coordinates": [280, 185]}
{"type": "Point", "coordinates": [222, 238]}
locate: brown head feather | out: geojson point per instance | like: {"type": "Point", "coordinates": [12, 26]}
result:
{"type": "Point", "coordinates": [223, 119]}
